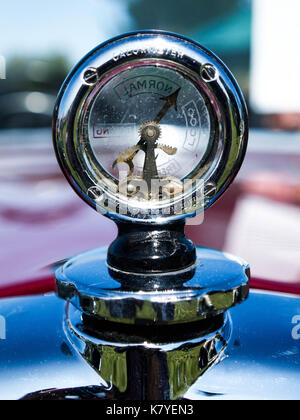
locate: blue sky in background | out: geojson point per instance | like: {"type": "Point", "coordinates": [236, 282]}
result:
{"type": "Point", "coordinates": [71, 27]}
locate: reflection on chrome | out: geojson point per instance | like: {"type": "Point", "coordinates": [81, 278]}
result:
{"type": "Point", "coordinates": [152, 364]}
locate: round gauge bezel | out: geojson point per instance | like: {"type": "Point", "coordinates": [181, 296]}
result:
{"type": "Point", "coordinates": [217, 86]}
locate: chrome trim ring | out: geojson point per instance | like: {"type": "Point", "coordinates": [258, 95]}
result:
{"type": "Point", "coordinates": [219, 282]}
{"type": "Point", "coordinates": [226, 104]}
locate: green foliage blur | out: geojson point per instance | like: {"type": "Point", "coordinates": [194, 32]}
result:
{"type": "Point", "coordinates": [27, 95]}
{"type": "Point", "coordinates": [35, 74]}
{"type": "Point", "coordinates": [178, 15]}
{"type": "Point", "coordinates": [224, 26]}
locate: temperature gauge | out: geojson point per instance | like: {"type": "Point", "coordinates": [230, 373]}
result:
{"type": "Point", "coordinates": [150, 127]}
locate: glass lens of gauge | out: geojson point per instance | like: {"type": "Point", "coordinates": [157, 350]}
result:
{"type": "Point", "coordinates": [149, 121]}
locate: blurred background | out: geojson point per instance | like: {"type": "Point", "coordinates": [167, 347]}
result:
{"type": "Point", "coordinates": [41, 219]}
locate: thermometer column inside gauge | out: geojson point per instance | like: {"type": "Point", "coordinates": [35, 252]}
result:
{"type": "Point", "coordinates": [149, 122]}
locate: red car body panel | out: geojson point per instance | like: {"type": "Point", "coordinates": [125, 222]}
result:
{"type": "Point", "coordinates": [42, 221]}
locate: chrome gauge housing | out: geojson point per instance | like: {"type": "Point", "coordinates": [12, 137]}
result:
{"type": "Point", "coordinates": [150, 127]}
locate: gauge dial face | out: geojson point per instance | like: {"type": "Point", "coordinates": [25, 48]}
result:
{"type": "Point", "coordinates": [149, 122]}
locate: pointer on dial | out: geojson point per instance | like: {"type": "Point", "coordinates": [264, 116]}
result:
{"type": "Point", "coordinates": [150, 133]}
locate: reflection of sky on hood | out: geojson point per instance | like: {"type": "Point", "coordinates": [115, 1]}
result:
{"type": "Point", "coordinates": [72, 27]}
{"type": "Point", "coordinates": [45, 358]}
{"type": "Point", "coordinates": [263, 360]}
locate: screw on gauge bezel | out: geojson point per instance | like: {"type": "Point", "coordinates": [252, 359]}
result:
{"type": "Point", "coordinates": [226, 103]}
